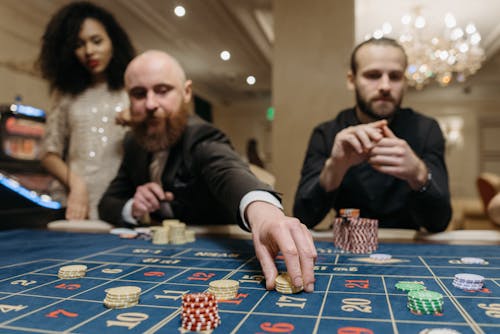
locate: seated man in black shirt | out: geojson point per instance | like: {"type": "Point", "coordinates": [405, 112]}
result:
{"type": "Point", "coordinates": [385, 160]}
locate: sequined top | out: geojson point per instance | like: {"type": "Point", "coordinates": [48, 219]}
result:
{"type": "Point", "coordinates": [82, 130]}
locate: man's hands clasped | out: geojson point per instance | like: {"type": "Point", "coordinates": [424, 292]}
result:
{"type": "Point", "coordinates": [377, 144]}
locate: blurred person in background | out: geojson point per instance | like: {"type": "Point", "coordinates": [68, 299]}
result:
{"type": "Point", "coordinates": [83, 56]}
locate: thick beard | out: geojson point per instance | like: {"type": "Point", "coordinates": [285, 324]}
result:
{"type": "Point", "coordinates": [367, 110]}
{"type": "Point", "coordinates": [175, 123]}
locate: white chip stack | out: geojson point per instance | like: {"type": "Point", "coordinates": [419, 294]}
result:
{"type": "Point", "coordinates": [468, 281]}
{"type": "Point", "coordinates": [160, 235]}
{"type": "Point", "coordinates": [177, 233]}
{"type": "Point", "coordinates": [72, 271]}
{"type": "Point", "coordinates": [224, 289]}
{"type": "Point", "coordinates": [172, 232]}
{"type": "Point", "coordinates": [284, 284]}
{"type": "Point", "coordinates": [122, 297]}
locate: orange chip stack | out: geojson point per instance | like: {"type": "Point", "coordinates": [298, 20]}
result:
{"type": "Point", "coordinates": [199, 312]}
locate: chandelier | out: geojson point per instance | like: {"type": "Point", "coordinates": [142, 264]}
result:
{"type": "Point", "coordinates": [452, 56]}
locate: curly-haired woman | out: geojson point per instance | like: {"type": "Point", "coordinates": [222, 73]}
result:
{"type": "Point", "coordinates": [83, 56]}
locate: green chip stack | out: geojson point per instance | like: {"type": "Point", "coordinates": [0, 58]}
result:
{"type": "Point", "coordinates": [425, 302]}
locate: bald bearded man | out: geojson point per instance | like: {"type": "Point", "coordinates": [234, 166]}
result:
{"type": "Point", "coordinates": [203, 179]}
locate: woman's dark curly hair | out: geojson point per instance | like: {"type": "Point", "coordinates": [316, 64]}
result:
{"type": "Point", "coordinates": [57, 60]}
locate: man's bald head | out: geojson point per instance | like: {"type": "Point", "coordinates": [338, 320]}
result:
{"type": "Point", "coordinates": [155, 59]}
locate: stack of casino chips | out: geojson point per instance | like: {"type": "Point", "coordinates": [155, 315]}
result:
{"type": "Point", "coordinates": [425, 302]}
{"type": "Point", "coordinates": [284, 285]}
{"type": "Point", "coordinates": [199, 312]}
{"type": "Point", "coordinates": [177, 233]}
{"type": "Point", "coordinates": [224, 289]}
{"type": "Point", "coordinates": [173, 232]}
{"type": "Point", "coordinates": [354, 234]}
{"type": "Point", "coordinates": [122, 297]}
{"type": "Point", "coordinates": [72, 272]}
{"type": "Point", "coordinates": [190, 235]}
{"type": "Point", "coordinates": [468, 282]}
{"type": "Point", "coordinates": [160, 235]}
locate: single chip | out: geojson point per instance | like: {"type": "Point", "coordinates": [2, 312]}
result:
{"type": "Point", "coordinates": [198, 297]}
{"type": "Point", "coordinates": [224, 284]}
{"type": "Point", "coordinates": [472, 278]}
{"type": "Point", "coordinates": [380, 256]}
{"type": "Point", "coordinates": [121, 291]}
{"type": "Point", "coordinates": [439, 331]}
{"type": "Point", "coordinates": [407, 286]}
{"type": "Point", "coordinates": [472, 260]}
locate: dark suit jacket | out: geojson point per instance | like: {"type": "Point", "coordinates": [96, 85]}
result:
{"type": "Point", "coordinates": [206, 176]}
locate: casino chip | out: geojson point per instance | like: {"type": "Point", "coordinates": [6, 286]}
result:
{"type": "Point", "coordinates": [72, 271]}
{"type": "Point", "coordinates": [472, 260]}
{"type": "Point", "coordinates": [380, 257]}
{"type": "Point", "coordinates": [439, 331]}
{"type": "Point", "coordinates": [284, 285]}
{"type": "Point", "coordinates": [122, 297]}
{"type": "Point", "coordinates": [409, 286]}
{"type": "Point", "coordinates": [353, 213]}
{"type": "Point", "coordinates": [224, 289]}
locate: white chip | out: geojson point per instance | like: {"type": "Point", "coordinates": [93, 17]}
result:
{"type": "Point", "coordinates": [123, 230]}
{"type": "Point", "coordinates": [439, 331]}
{"type": "Point", "coordinates": [469, 277]}
{"type": "Point", "coordinates": [472, 260]}
{"type": "Point", "coordinates": [380, 256]}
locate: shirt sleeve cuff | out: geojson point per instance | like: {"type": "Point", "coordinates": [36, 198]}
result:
{"type": "Point", "coordinates": [127, 213]}
{"type": "Point", "coordinates": [253, 196]}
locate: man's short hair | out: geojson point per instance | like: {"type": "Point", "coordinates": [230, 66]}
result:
{"type": "Point", "coordinates": [384, 41]}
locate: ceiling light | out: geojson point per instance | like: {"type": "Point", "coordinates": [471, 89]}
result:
{"type": "Point", "coordinates": [225, 55]}
{"type": "Point", "coordinates": [180, 11]}
{"type": "Point", "coordinates": [450, 56]}
{"type": "Point", "coordinates": [251, 80]}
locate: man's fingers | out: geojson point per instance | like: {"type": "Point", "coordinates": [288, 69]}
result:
{"type": "Point", "coordinates": [388, 132]}
{"type": "Point", "coordinates": [307, 256]}
{"type": "Point", "coordinates": [290, 251]}
{"type": "Point", "coordinates": [157, 190]}
{"type": "Point", "coordinates": [364, 138]}
{"type": "Point", "coordinates": [268, 267]}
{"type": "Point", "coordinates": [169, 196]}
{"type": "Point", "coordinates": [353, 141]}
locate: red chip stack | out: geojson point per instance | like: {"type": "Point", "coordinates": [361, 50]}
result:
{"type": "Point", "coordinates": [354, 234]}
{"type": "Point", "coordinates": [199, 312]}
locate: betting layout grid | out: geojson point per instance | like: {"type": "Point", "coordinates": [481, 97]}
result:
{"type": "Point", "coordinates": [351, 290]}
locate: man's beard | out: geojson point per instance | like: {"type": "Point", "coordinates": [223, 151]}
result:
{"type": "Point", "coordinates": [365, 108]}
{"type": "Point", "coordinates": [175, 123]}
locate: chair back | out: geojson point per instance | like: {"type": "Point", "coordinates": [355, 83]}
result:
{"type": "Point", "coordinates": [488, 185]}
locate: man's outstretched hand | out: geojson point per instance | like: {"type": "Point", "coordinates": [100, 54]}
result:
{"type": "Point", "coordinates": [273, 232]}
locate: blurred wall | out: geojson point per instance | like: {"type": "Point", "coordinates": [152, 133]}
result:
{"type": "Point", "coordinates": [311, 52]}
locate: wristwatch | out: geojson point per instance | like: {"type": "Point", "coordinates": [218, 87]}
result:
{"type": "Point", "coordinates": [427, 182]}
